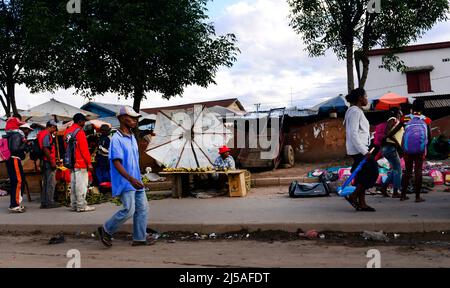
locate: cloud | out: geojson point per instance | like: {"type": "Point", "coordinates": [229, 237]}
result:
{"type": "Point", "coordinates": [273, 68]}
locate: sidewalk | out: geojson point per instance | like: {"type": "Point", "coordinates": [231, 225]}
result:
{"type": "Point", "coordinates": [264, 208]}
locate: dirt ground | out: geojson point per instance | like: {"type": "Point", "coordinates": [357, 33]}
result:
{"type": "Point", "coordinates": [34, 251]}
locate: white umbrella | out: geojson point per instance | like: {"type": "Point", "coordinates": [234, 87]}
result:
{"type": "Point", "coordinates": [187, 138]}
{"type": "Point", "coordinates": [52, 108]}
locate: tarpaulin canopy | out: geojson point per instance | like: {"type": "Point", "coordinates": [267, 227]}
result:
{"type": "Point", "coordinates": [55, 109]}
{"type": "Point", "coordinates": [335, 104]}
{"type": "Point", "coordinates": [188, 138]}
{"type": "Point", "coordinates": [389, 101]}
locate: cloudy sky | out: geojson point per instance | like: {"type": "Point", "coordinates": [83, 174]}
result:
{"type": "Point", "coordinates": [273, 69]}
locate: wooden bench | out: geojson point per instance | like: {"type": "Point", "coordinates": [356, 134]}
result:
{"type": "Point", "coordinates": [238, 181]}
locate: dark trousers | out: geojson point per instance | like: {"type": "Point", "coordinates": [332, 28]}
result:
{"type": "Point", "coordinates": [17, 181]}
{"type": "Point", "coordinates": [411, 160]}
{"type": "Point", "coordinates": [49, 183]}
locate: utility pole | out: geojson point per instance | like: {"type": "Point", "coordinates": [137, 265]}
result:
{"type": "Point", "coordinates": [257, 106]}
{"type": "Point", "coordinates": [291, 99]}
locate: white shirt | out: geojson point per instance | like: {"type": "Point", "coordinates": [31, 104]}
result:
{"type": "Point", "coordinates": [357, 130]}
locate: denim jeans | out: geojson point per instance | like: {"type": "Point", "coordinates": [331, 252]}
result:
{"type": "Point", "coordinates": [135, 204]}
{"type": "Point", "coordinates": [395, 177]}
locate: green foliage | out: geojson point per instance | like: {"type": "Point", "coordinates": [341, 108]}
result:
{"type": "Point", "coordinates": [126, 47]}
{"type": "Point", "coordinates": [133, 47]}
{"type": "Point", "coordinates": [333, 24]}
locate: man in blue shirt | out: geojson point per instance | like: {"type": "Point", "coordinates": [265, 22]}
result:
{"type": "Point", "coordinates": [126, 181]}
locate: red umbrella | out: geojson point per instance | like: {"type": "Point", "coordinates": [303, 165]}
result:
{"type": "Point", "coordinates": [390, 100]}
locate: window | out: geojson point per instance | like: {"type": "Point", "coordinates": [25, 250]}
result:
{"type": "Point", "coordinates": [418, 81]}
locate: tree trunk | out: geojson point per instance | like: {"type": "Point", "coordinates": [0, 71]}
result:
{"type": "Point", "coordinates": [138, 95]}
{"type": "Point", "coordinates": [4, 105]}
{"type": "Point", "coordinates": [365, 72]}
{"type": "Point", "coordinates": [11, 96]}
{"type": "Point", "coordinates": [350, 75]}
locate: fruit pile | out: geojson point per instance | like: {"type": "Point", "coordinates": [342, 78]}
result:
{"type": "Point", "coordinates": [201, 169]}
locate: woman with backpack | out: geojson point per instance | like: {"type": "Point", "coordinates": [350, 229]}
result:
{"type": "Point", "coordinates": [357, 143]}
{"type": "Point", "coordinates": [415, 143]}
{"type": "Point", "coordinates": [391, 145]}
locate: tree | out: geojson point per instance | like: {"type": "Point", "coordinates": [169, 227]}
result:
{"type": "Point", "coordinates": [134, 47]}
{"type": "Point", "coordinates": [11, 52]}
{"type": "Point", "coordinates": [28, 32]}
{"type": "Point", "coordinates": [342, 25]}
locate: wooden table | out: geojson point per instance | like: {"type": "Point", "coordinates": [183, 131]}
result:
{"type": "Point", "coordinates": [236, 181]}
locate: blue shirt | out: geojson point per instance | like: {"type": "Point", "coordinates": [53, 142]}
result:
{"type": "Point", "coordinates": [227, 163]}
{"type": "Point", "coordinates": [124, 148]}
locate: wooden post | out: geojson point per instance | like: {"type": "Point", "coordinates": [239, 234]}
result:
{"type": "Point", "coordinates": [177, 186]}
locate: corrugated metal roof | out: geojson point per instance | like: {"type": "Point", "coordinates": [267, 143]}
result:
{"type": "Point", "coordinates": [113, 108]}
{"type": "Point", "coordinates": [278, 113]}
{"type": "Point", "coordinates": [208, 104]}
{"type": "Point", "coordinates": [436, 101]}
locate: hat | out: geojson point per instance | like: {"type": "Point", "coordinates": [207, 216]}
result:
{"type": "Point", "coordinates": [79, 117]}
{"type": "Point", "coordinates": [13, 123]}
{"type": "Point", "coordinates": [52, 123]}
{"type": "Point", "coordinates": [127, 110]}
{"type": "Point", "coordinates": [224, 149]}
{"type": "Point", "coordinates": [26, 126]}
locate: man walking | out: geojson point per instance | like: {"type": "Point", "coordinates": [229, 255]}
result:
{"type": "Point", "coordinates": [46, 143]}
{"type": "Point", "coordinates": [18, 146]}
{"type": "Point", "coordinates": [81, 157]}
{"type": "Point", "coordinates": [126, 182]}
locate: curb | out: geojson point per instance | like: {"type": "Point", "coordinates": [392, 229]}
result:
{"type": "Point", "coordinates": [407, 227]}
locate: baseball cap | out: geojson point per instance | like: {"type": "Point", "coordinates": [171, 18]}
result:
{"type": "Point", "coordinates": [26, 126]}
{"type": "Point", "coordinates": [127, 110]}
{"type": "Point", "coordinates": [79, 117]}
{"type": "Point", "coordinates": [224, 149]}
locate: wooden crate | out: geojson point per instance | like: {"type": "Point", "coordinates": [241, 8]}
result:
{"type": "Point", "coordinates": [237, 186]}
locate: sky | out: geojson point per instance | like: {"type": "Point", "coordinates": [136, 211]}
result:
{"type": "Point", "coordinates": [272, 70]}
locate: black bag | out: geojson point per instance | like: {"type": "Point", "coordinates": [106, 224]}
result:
{"type": "Point", "coordinates": [69, 155]}
{"type": "Point", "coordinates": [36, 152]}
{"type": "Point", "coordinates": [304, 190]}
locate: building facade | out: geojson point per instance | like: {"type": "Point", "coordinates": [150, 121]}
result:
{"type": "Point", "coordinates": [427, 72]}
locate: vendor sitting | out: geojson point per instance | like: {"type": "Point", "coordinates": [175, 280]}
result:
{"type": "Point", "coordinates": [225, 160]}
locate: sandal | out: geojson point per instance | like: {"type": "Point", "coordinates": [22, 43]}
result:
{"type": "Point", "coordinates": [419, 200]}
{"type": "Point", "coordinates": [404, 198]}
{"type": "Point", "coordinates": [396, 196]}
{"type": "Point", "coordinates": [367, 209]}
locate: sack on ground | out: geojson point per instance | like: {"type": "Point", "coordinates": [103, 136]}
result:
{"type": "Point", "coordinates": [299, 190]}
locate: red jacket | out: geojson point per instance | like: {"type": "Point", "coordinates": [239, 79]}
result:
{"type": "Point", "coordinates": [82, 155]}
{"type": "Point", "coordinates": [40, 138]}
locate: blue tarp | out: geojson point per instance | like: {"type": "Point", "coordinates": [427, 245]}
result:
{"type": "Point", "coordinates": [337, 103]}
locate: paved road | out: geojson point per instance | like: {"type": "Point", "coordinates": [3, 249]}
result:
{"type": "Point", "coordinates": [264, 208]}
